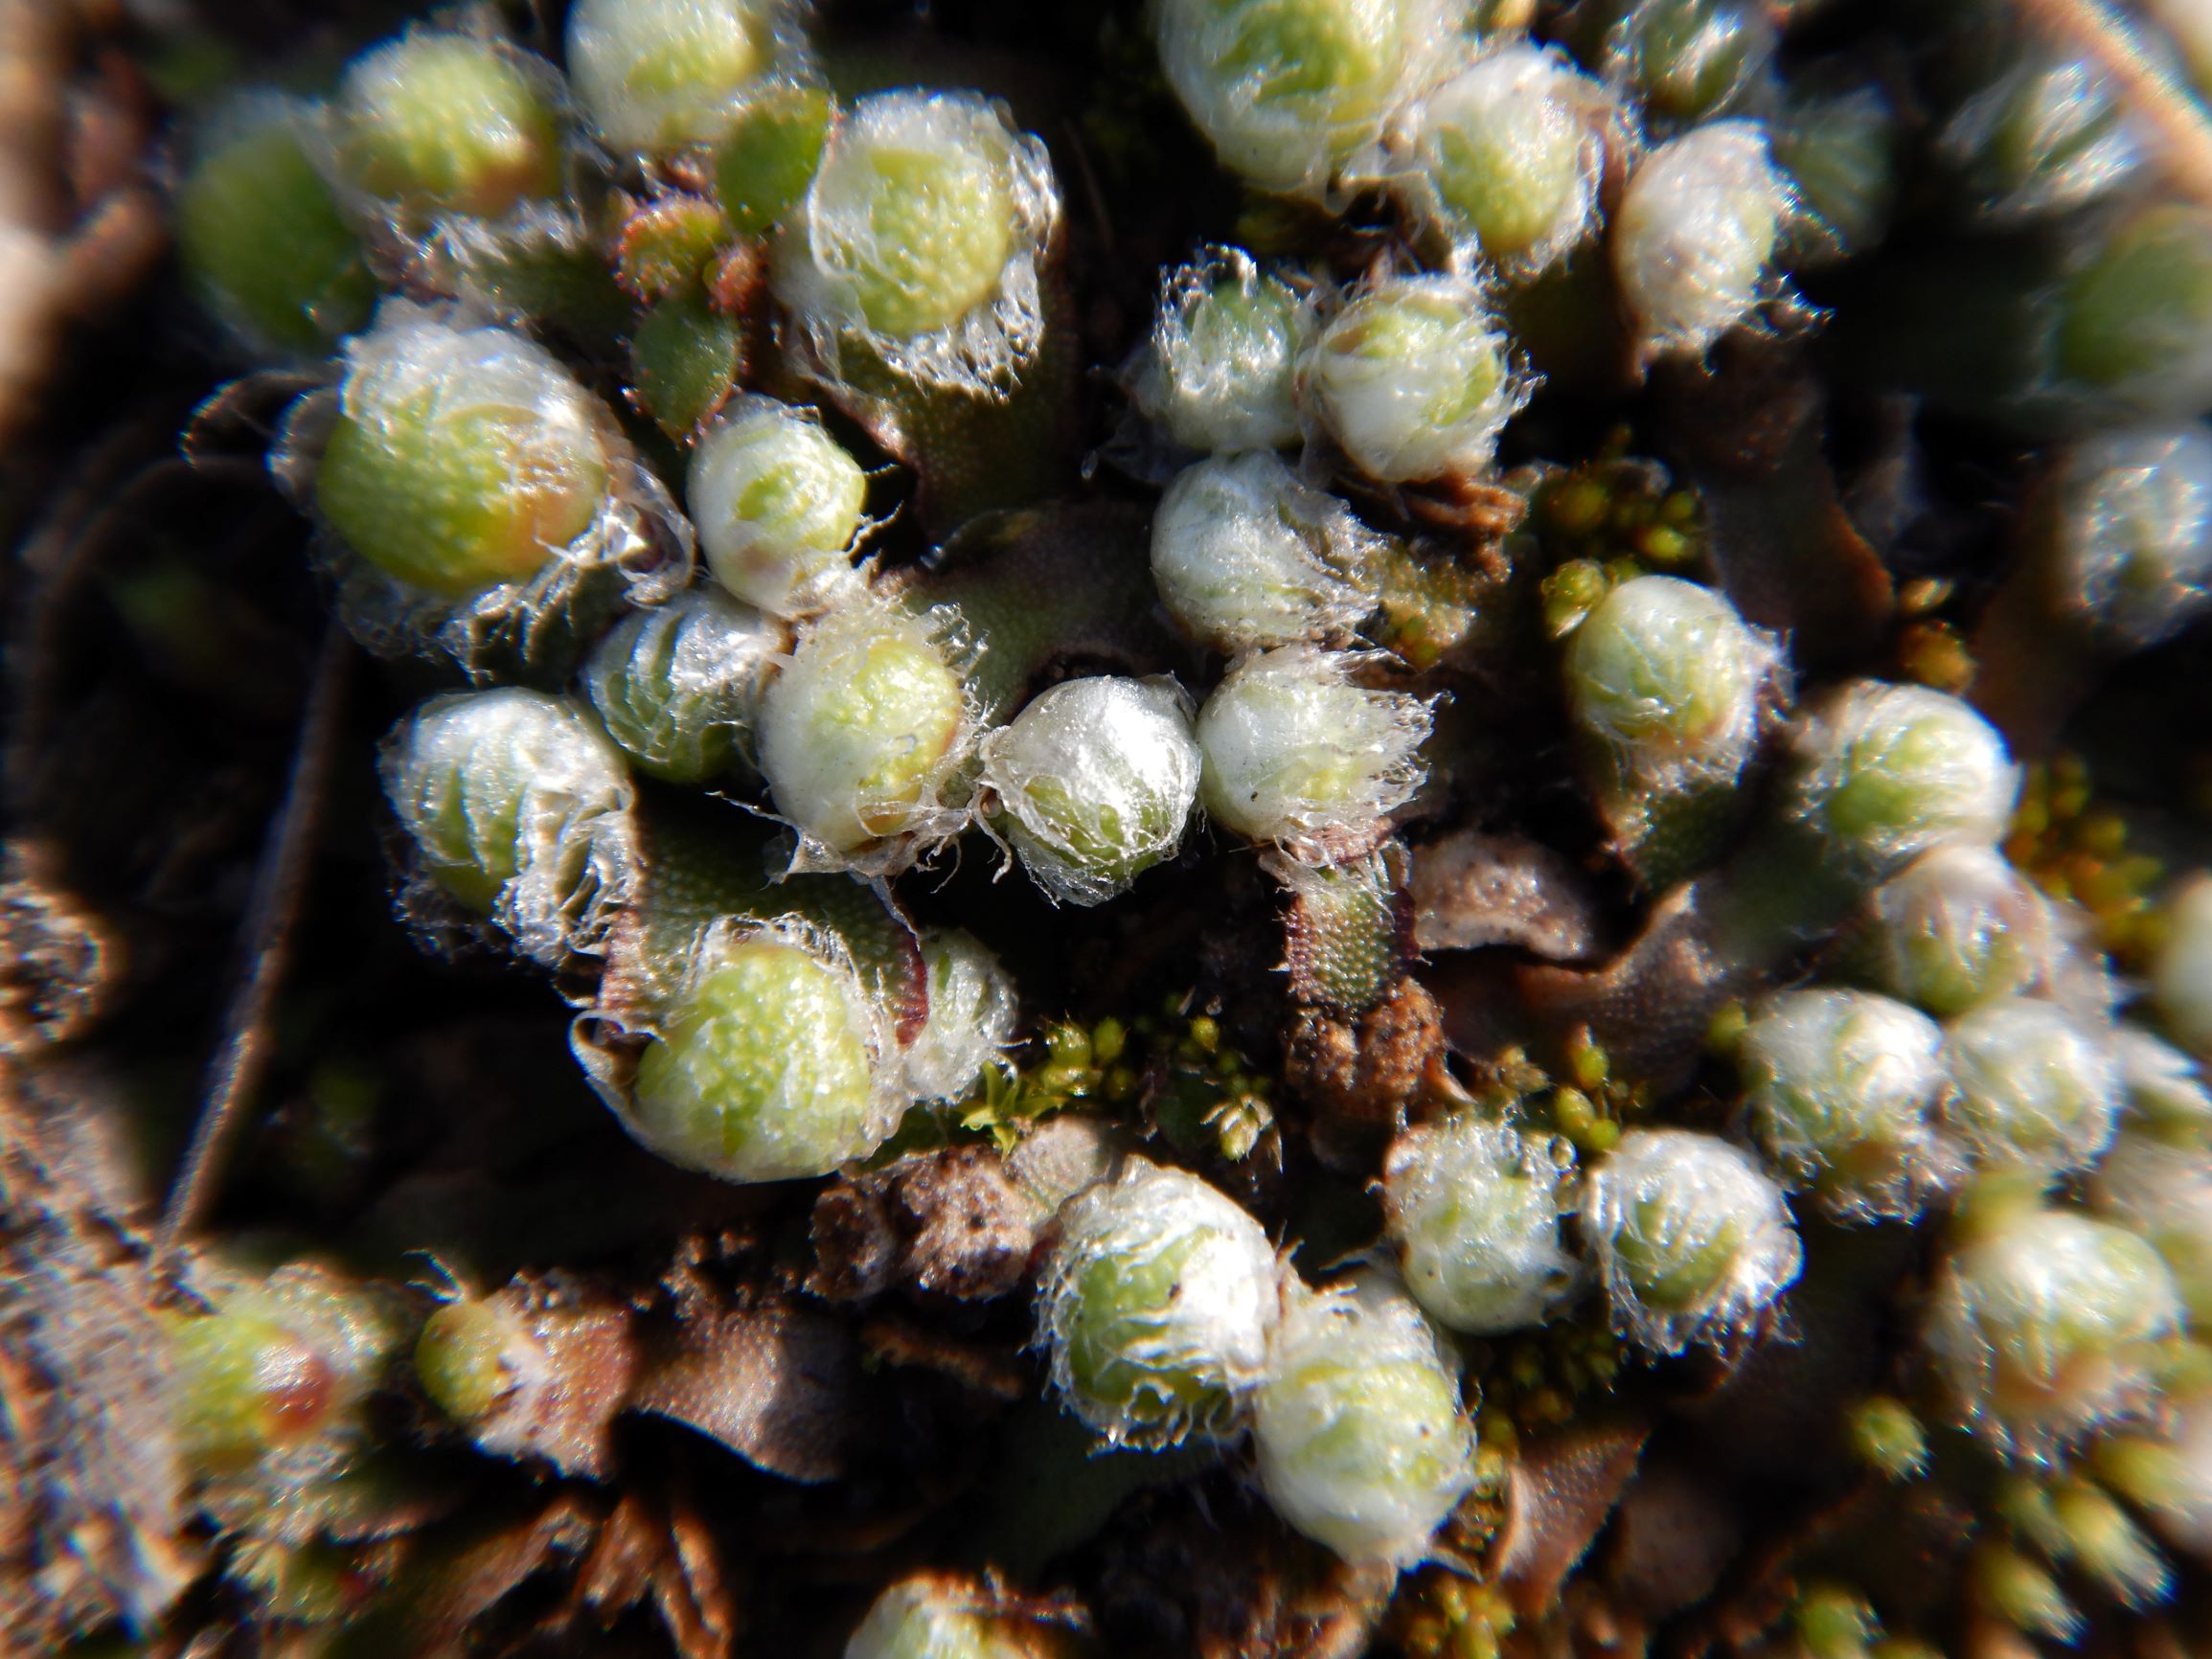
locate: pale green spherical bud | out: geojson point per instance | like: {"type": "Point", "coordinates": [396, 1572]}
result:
{"type": "Point", "coordinates": [1690, 58]}
{"type": "Point", "coordinates": [944, 1615]}
{"type": "Point", "coordinates": [2163, 1193]}
{"type": "Point", "coordinates": [1246, 554]}
{"type": "Point", "coordinates": [2031, 1088]}
{"type": "Point", "coordinates": [1414, 379]}
{"type": "Point", "coordinates": [1094, 783]}
{"type": "Point", "coordinates": [1156, 1304]}
{"type": "Point", "coordinates": [2045, 136]}
{"type": "Point", "coordinates": [922, 235]}
{"type": "Point", "coordinates": [263, 243]}
{"type": "Point", "coordinates": [1474, 1213]}
{"type": "Point", "coordinates": [974, 1005]}
{"type": "Point", "coordinates": [1220, 370]}
{"type": "Point", "coordinates": [440, 122]}
{"type": "Point", "coordinates": [1668, 674]}
{"type": "Point", "coordinates": [770, 1066]}
{"type": "Point", "coordinates": [1289, 90]}
{"type": "Point", "coordinates": [2129, 555]}
{"type": "Point", "coordinates": [476, 1353]}
{"type": "Point", "coordinates": [1297, 754]}
{"type": "Point", "coordinates": [1841, 1088]}
{"type": "Point", "coordinates": [517, 806]}
{"type": "Point", "coordinates": [679, 685]}
{"type": "Point", "coordinates": [657, 75]}
{"type": "Point", "coordinates": [2134, 319]}
{"type": "Point", "coordinates": [2039, 1329]}
{"type": "Point", "coordinates": [1361, 1440]}
{"type": "Point", "coordinates": [863, 733]}
{"type": "Point", "coordinates": [1508, 154]}
{"type": "Point", "coordinates": [1956, 929]}
{"type": "Point", "coordinates": [1885, 773]}
{"type": "Point", "coordinates": [2181, 972]}
{"type": "Point", "coordinates": [1695, 236]}
{"type": "Point", "coordinates": [778, 506]}
{"type": "Point", "coordinates": [1693, 1241]}
{"type": "Point", "coordinates": [460, 458]}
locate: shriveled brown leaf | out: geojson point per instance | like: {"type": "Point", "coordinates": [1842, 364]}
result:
{"type": "Point", "coordinates": [1564, 1489]}
{"type": "Point", "coordinates": [776, 1384]}
{"type": "Point", "coordinates": [57, 962]}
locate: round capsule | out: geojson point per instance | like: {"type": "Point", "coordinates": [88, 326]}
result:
{"type": "Point", "coordinates": [1220, 370]}
{"type": "Point", "coordinates": [1957, 928]}
{"type": "Point", "coordinates": [1695, 237]}
{"type": "Point", "coordinates": [1156, 1304]}
{"type": "Point", "coordinates": [861, 733]}
{"type": "Point", "coordinates": [1094, 783]}
{"type": "Point", "coordinates": [779, 506]}
{"type": "Point", "coordinates": [1245, 554]}
{"type": "Point", "coordinates": [1297, 754]}
{"type": "Point", "coordinates": [1414, 379]}
{"type": "Point", "coordinates": [1885, 773]}
{"type": "Point", "coordinates": [436, 122]}
{"type": "Point", "coordinates": [678, 685]}
{"type": "Point", "coordinates": [1474, 1214]}
{"type": "Point", "coordinates": [767, 1066]}
{"type": "Point", "coordinates": [462, 458]}
{"type": "Point", "coordinates": [974, 1005]}
{"type": "Point", "coordinates": [2031, 1087]}
{"type": "Point", "coordinates": [655, 75]}
{"type": "Point", "coordinates": [1841, 1088]}
{"type": "Point", "coordinates": [2040, 1327]}
{"type": "Point", "coordinates": [2127, 554]}
{"type": "Point", "coordinates": [1694, 1241]}
{"type": "Point", "coordinates": [1361, 1440]}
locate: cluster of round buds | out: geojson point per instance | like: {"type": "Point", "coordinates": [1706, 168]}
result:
{"type": "Point", "coordinates": [517, 807]}
{"type": "Point", "coordinates": [778, 504]}
{"type": "Point", "coordinates": [1694, 1241]}
{"type": "Point", "coordinates": [1246, 555]}
{"type": "Point", "coordinates": [771, 1062]}
{"type": "Point", "coordinates": [1886, 772]}
{"type": "Point", "coordinates": [2042, 1325]}
{"type": "Point", "coordinates": [2031, 1088]}
{"type": "Point", "coordinates": [1413, 379]}
{"type": "Point", "coordinates": [1219, 372]}
{"type": "Point", "coordinates": [919, 243]}
{"type": "Point", "coordinates": [1691, 58]}
{"type": "Point", "coordinates": [1156, 1304]}
{"type": "Point", "coordinates": [2127, 550]}
{"type": "Point", "coordinates": [658, 76]}
{"type": "Point", "coordinates": [972, 1008]}
{"type": "Point", "coordinates": [1506, 157]}
{"type": "Point", "coordinates": [1295, 751]}
{"type": "Point", "coordinates": [1093, 782]}
{"type": "Point", "coordinates": [1361, 1440]}
{"type": "Point", "coordinates": [678, 685]}
{"type": "Point", "coordinates": [1671, 679]}
{"type": "Point", "coordinates": [436, 122]}
{"type": "Point", "coordinates": [863, 734]}
{"type": "Point", "coordinates": [264, 242]}
{"type": "Point", "coordinates": [1474, 1211]}
{"type": "Point", "coordinates": [1841, 1088]}
{"type": "Point", "coordinates": [1289, 91]}
{"type": "Point", "coordinates": [944, 1615]}
{"type": "Point", "coordinates": [1696, 235]}
{"type": "Point", "coordinates": [2181, 972]}
{"type": "Point", "coordinates": [2045, 136]}
{"type": "Point", "coordinates": [1958, 928]}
